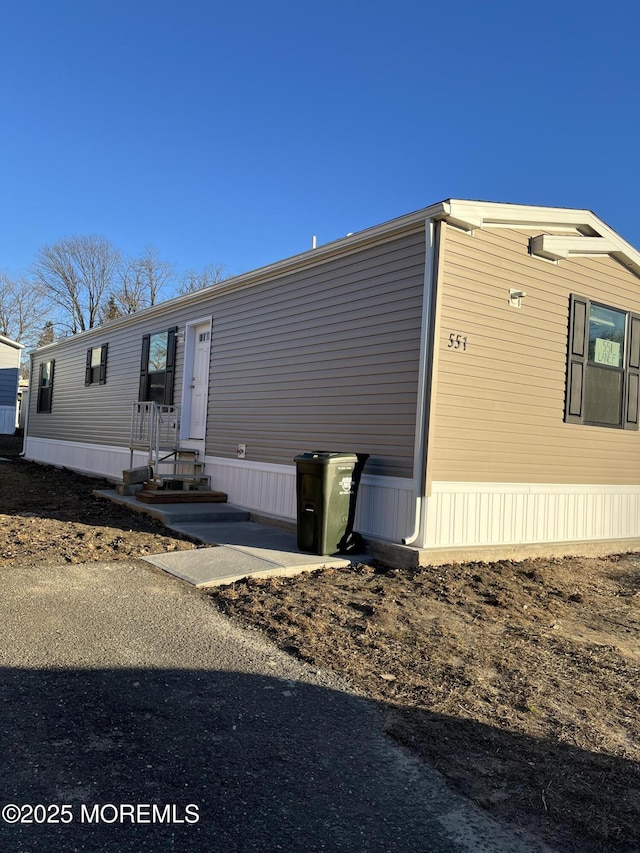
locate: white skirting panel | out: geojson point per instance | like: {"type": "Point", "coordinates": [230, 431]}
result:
{"type": "Point", "coordinates": [384, 506]}
{"type": "Point", "coordinates": [99, 459]}
{"type": "Point", "coordinates": [514, 513]}
{"type": "Point", "coordinates": [7, 420]}
{"type": "Point", "coordinates": [253, 485]}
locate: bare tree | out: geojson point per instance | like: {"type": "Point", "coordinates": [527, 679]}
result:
{"type": "Point", "coordinates": [193, 280]}
{"type": "Point", "coordinates": [141, 281]}
{"type": "Point", "coordinates": [21, 309]}
{"type": "Point", "coordinates": [76, 275]}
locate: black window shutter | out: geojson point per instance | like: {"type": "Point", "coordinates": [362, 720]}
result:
{"type": "Point", "coordinates": [40, 400]}
{"type": "Point", "coordinates": [632, 375]}
{"type": "Point", "coordinates": [144, 369]}
{"type": "Point", "coordinates": [171, 366]}
{"type": "Point", "coordinates": [577, 352]}
{"type": "Point", "coordinates": [103, 364]}
{"type": "Point", "coordinates": [50, 388]}
{"type": "Point", "coordinates": [87, 369]}
{"type": "Point", "coordinates": [45, 393]}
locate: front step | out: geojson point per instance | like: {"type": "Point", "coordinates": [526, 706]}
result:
{"type": "Point", "coordinates": [185, 472]}
{"type": "Point", "coordinates": [173, 514]}
{"type": "Point", "coordinates": [177, 482]}
{"type": "Point", "coordinates": [175, 496]}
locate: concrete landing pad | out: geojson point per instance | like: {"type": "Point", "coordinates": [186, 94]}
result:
{"type": "Point", "coordinates": [225, 564]}
{"type": "Point", "coordinates": [241, 549]}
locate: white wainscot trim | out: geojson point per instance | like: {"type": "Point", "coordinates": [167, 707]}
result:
{"type": "Point", "coordinates": [518, 513]}
{"type": "Point", "coordinates": [7, 420]}
{"type": "Point", "coordinates": [384, 504]}
{"type": "Point", "coordinates": [384, 507]}
{"type": "Point", "coordinates": [99, 459]}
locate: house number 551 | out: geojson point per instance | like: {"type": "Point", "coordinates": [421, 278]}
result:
{"type": "Point", "coordinates": [457, 341]}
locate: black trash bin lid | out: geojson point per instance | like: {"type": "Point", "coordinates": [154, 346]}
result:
{"type": "Point", "coordinates": [325, 456]}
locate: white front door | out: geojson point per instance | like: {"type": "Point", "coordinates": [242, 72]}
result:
{"type": "Point", "coordinates": [200, 381]}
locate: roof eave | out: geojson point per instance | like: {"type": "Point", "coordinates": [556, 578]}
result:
{"type": "Point", "coordinates": [11, 343]}
{"type": "Point", "coordinates": [593, 237]}
{"type": "Point", "coordinates": [461, 213]}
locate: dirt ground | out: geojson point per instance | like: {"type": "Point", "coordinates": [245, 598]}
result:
{"type": "Point", "coordinates": [520, 682]}
{"type": "Point", "coordinates": [50, 514]}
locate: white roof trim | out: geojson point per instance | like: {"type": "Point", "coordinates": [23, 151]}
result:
{"type": "Point", "coordinates": [597, 238]}
{"type": "Point", "coordinates": [469, 215]}
{"type": "Point", "coordinates": [487, 213]}
{"type": "Point", "coordinates": [556, 248]}
{"type": "Point", "coordinates": [10, 343]}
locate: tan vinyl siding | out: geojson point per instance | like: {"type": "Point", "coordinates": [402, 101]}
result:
{"type": "Point", "coordinates": [99, 414]}
{"type": "Point", "coordinates": [326, 360]}
{"type": "Point", "coordinates": [500, 403]}
{"type": "Point", "coordinates": [323, 358]}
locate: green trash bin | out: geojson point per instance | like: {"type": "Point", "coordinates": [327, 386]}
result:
{"type": "Point", "coordinates": [326, 491]}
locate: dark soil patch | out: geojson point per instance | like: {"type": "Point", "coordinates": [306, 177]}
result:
{"type": "Point", "coordinates": [51, 514]}
{"type": "Point", "coordinates": [520, 682]}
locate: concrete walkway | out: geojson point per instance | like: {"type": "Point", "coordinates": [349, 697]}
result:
{"type": "Point", "coordinates": [241, 549]}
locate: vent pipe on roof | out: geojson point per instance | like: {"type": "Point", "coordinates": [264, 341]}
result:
{"type": "Point", "coordinates": [313, 242]}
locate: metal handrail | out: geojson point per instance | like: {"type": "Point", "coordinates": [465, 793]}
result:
{"type": "Point", "coordinates": [154, 427]}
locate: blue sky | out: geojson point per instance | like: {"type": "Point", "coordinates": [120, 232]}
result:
{"type": "Point", "coordinates": [232, 132]}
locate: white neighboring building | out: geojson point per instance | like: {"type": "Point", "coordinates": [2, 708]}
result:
{"type": "Point", "coordinates": [10, 352]}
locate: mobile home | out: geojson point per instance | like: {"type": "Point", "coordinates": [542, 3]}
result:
{"type": "Point", "coordinates": [485, 356]}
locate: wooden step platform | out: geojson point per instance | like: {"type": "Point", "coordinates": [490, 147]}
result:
{"type": "Point", "coordinates": [178, 496]}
